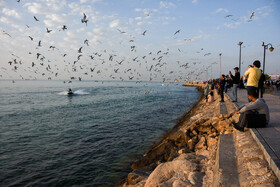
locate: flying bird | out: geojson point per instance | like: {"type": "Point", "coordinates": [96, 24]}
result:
{"type": "Point", "coordinates": [80, 50]}
{"type": "Point", "coordinates": [86, 42]}
{"type": "Point", "coordinates": [177, 31]}
{"type": "Point", "coordinates": [5, 33]}
{"type": "Point", "coordinates": [48, 31]}
{"type": "Point", "coordinates": [35, 18]}
{"type": "Point", "coordinates": [144, 33]}
{"type": "Point", "coordinates": [227, 16]}
{"type": "Point", "coordinates": [64, 27]}
{"type": "Point", "coordinates": [84, 20]}
{"type": "Point", "coordinates": [30, 38]}
{"type": "Point", "coordinates": [122, 32]}
{"type": "Point", "coordinates": [39, 44]}
{"type": "Point", "coordinates": [253, 14]}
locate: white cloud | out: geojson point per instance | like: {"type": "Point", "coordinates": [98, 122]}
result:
{"type": "Point", "coordinates": [232, 25]}
{"type": "Point", "coordinates": [2, 3]}
{"type": "Point", "coordinates": [166, 4]}
{"type": "Point", "coordinates": [55, 20]}
{"type": "Point", "coordinates": [9, 12]}
{"type": "Point", "coordinates": [5, 20]}
{"type": "Point", "coordinates": [50, 6]}
{"type": "Point", "coordinates": [221, 10]}
{"type": "Point", "coordinates": [89, 1]}
{"type": "Point", "coordinates": [194, 1]}
{"type": "Point", "coordinates": [115, 23]}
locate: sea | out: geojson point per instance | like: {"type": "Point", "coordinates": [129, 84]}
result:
{"type": "Point", "coordinates": [91, 138]}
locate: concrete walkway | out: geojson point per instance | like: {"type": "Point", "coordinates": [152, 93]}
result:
{"type": "Point", "coordinates": [268, 138]}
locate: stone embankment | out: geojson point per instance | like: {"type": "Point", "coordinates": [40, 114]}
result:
{"type": "Point", "coordinates": [186, 155]}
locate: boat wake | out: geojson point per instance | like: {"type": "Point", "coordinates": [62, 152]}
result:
{"type": "Point", "coordinates": [77, 92]}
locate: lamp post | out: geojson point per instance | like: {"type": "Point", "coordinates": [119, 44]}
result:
{"type": "Point", "coordinates": [220, 62]}
{"type": "Point", "coordinates": [240, 43]}
{"type": "Point", "coordinates": [265, 48]}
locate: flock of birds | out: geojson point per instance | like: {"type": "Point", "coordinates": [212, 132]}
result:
{"type": "Point", "coordinates": [91, 64]}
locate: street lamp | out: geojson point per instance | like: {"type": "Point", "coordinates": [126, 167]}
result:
{"type": "Point", "coordinates": [265, 48]}
{"type": "Point", "coordinates": [240, 43]}
{"type": "Point", "coordinates": [220, 62]}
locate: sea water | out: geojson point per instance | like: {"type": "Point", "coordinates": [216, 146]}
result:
{"type": "Point", "coordinates": [90, 138]}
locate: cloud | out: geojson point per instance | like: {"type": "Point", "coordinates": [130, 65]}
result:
{"type": "Point", "coordinates": [194, 1]}
{"type": "Point", "coordinates": [221, 10]}
{"type": "Point", "coordinates": [166, 4]}
{"type": "Point", "coordinates": [5, 20]}
{"type": "Point", "coordinates": [115, 23]}
{"type": "Point", "coordinates": [9, 12]}
{"type": "Point", "coordinates": [50, 6]}
{"type": "Point", "coordinates": [232, 25]}
{"type": "Point", "coordinates": [89, 1]}
{"type": "Point", "coordinates": [55, 20]}
{"type": "Point", "coordinates": [2, 3]}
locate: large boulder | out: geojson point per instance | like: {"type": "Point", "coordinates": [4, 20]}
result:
{"type": "Point", "coordinates": [220, 126]}
{"type": "Point", "coordinates": [211, 141]}
{"type": "Point", "coordinates": [179, 172]}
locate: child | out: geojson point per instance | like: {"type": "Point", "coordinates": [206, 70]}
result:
{"type": "Point", "coordinates": [211, 97]}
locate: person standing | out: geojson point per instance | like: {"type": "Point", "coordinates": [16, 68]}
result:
{"type": "Point", "coordinates": [222, 87]}
{"type": "Point", "coordinates": [235, 81]}
{"type": "Point", "coordinates": [206, 91]}
{"type": "Point", "coordinates": [253, 75]}
{"type": "Point", "coordinates": [261, 85]}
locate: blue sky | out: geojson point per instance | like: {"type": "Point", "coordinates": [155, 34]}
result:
{"type": "Point", "coordinates": [205, 31]}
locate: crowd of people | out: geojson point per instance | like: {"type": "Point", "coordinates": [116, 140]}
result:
{"type": "Point", "coordinates": [253, 114]}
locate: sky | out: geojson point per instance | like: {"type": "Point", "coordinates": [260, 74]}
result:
{"type": "Point", "coordinates": [135, 39]}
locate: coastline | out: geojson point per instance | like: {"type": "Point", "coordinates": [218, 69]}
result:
{"type": "Point", "coordinates": [194, 137]}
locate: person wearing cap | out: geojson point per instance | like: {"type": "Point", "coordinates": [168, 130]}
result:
{"type": "Point", "coordinates": [235, 81]}
{"type": "Point", "coordinates": [253, 75]}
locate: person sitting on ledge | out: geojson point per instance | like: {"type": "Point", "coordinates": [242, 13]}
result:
{"type": "Point", "coordinates": [254, 114]}
{"type": "Point", "coordinates": [211, 97]}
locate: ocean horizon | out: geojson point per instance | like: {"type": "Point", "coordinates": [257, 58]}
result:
{"type": "Point", "coordinates": [88, 139]}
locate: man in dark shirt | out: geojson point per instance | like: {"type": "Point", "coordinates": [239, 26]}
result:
{"type": "Point", "coordinates": [222, 87]}
{"type": "Point", "coordinates": [261, 83]}
{"type": "Point", "coordinates": [235, 80]}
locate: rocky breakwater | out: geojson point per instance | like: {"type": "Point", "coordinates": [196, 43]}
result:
{"type": "Point", "coordinates": [185, 156]}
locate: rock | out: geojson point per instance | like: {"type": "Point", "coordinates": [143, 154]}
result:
{"type": "Point", "coordinates": [177, 136]}
{"type": "Point", "coordinates": [211, 141]}
{"type": "Point", "coordinates": [201, 144]}
{"type": "Point", "coordinates": [203, 153]}
{"type": "Point", "coordinates": [169, 172]}
{"type": "Point", "coordinates": [205, 127]}
{"type": "Point", "coordinates": [137, 176]}
{"type": "Point", "coordinates": [220, 126]}
{"type": "Point", "coordinates": [181, 151]}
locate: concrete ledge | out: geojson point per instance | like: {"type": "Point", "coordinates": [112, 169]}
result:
{"type": "Point", "coordinates": [226, 173]}
{"type": "Point", "coordinates": [271, 158]}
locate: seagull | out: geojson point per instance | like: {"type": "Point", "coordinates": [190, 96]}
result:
{"type": "Point", "coordinates": [52, 47]}
{"type": "Point", "coordinates": [177, 31]}
{"type": "Point", "coordinates": [64, 27]}
{"type": "Point", "coordinates": [80, 50]}
{"type": "Point", "coordinates": [39, 44]}
{"type": "Point", "coordinates": [79, 57]}
{"type": "Point", "coordinates": [122, 32]}
{"type": "Point", "coordinates": [33, 64]}
{"type": "Point", "coordinates": [86, 42]}
{"type": "Point", "coordinates": [30, 38]}
{"type": "Point", "coordinates": [38, 54]}
{"type": "Point", "coordinates": [48, 31]}
{"type": "Point", "coordinates": [227, 16]}
{"type": "Point", "coordinates": [144, 33]}
{"type": "Point", "coordinates": [84, 20]}
{"type": "Point", "coordinates": [253, 14]}
{"type": "Point", "coordinates": [35, 18]}
{"type": "Point", "coordinates": [4, 32]}
{"type": "Point", "coordinates": [27, 26]}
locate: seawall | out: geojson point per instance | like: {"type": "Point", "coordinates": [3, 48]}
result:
{"type": "Point", "coordinates": [192, 141]}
